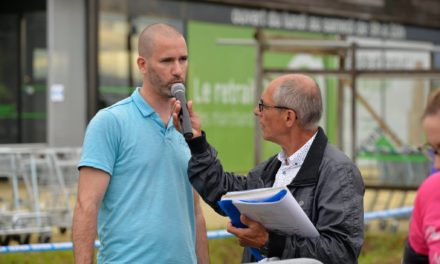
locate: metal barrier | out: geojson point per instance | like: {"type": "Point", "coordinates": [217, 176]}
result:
{"type": "Point", "coordinates": [391, 213]}
{"type": "Point", "coordinates": [49, 178]}
{"type": "Point", "coordinates": [213, 234]}
{"type": "Point", "coordinates": [43, 183]}
{"type": "Point", "coordinates": [391, 175]}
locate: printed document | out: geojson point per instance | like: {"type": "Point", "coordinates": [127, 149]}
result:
{"type": "Point", "coordinates": [275, 208]}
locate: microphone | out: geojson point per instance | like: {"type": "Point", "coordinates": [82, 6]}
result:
{"type": "Point", "coordinates": [178, 91]}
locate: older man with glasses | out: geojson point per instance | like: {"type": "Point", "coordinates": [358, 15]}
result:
{"type": "Point", "coordinates": [324, 181]}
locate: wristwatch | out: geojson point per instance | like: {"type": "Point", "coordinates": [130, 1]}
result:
{"type": "Point", "coordinates": [264, 250]}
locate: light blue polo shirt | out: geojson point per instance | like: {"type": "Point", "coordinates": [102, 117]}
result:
{"type": "Point", "coordinates": [147, 214]}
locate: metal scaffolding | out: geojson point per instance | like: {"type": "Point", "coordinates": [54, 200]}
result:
{"type": "Point", "coordinates": [344, 50]}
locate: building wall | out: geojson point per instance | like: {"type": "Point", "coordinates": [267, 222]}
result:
{"type": "Point", "coordinates": [66, 103]}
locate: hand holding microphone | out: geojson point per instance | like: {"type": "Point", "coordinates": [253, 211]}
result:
{"type": "Point", "coordinates": [189, 123]}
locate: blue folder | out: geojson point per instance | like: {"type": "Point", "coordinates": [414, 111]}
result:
{"type": "Point", "coordinates": [229, 208]}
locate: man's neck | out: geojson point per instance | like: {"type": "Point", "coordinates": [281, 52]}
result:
{"type": "Point", "coordinates": [296, 140]}
{"type": "Point", "coordinates": [160, 104]}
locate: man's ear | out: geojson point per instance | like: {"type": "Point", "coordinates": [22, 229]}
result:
{"type": "Point", "coordinates": [142, 64]}
{"type": "Point", "coordinates": [290, 117]}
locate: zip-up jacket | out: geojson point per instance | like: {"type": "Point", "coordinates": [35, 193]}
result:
{"type": "Point", "coordinates": [328, 186]}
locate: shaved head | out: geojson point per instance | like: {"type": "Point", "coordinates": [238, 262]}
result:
{"type": "Point", "coordinates": [149, 34]}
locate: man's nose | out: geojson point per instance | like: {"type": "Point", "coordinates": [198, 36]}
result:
{"type": "Point", "coordinates": [257, 111]}
{"type": "Point", "coordinates": [178, 69]}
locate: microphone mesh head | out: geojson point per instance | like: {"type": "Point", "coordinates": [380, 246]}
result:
{"type": "Point", "coordinates": [177, 87]}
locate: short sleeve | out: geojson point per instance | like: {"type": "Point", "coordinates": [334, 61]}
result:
{"type": "Point", "coordinates": [101, 142]}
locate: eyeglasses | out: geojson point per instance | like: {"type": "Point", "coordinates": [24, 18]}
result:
{"type": "Point", "coordinates": [262, 105]}
{"type": "Point", "coordinates": [429, 151]}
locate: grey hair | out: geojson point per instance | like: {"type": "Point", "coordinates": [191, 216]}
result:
{"type": "Point", "coordinates": [306, 101]}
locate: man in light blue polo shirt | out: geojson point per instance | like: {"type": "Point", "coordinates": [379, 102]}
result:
{"type": "Point", "coordinates": [133, 187]}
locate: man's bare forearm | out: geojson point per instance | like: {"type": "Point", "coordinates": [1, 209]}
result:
{"type": "Point", "coordinates": [201, 236]}
{"type": "Point", "coordinates": [84, 234]}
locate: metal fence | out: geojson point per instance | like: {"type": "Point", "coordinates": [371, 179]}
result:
{"type": "Point", "coordinates": [42, 184]}
{"type": "Point", "coordinates": [41, 188]}
{"type": "Point", "coordinates": [391, 179]}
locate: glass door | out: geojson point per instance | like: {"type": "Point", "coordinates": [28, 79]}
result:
{"type": "Point", "coordinates": [9, 78]}
{"type": "Point", "coordinates": [23, 77]}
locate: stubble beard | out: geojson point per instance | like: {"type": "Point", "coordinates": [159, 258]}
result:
{"type": "Point", "coordinates": [161, 87]}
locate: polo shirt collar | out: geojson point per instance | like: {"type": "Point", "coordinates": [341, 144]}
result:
{"type": "Point", "coordinates": [145, 109]}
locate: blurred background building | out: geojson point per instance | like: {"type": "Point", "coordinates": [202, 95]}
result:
{"type": "Point", "coordinates": [63, 60]}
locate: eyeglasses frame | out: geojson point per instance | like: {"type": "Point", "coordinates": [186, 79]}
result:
{"type": "Point", "coordinates": [262, 105]}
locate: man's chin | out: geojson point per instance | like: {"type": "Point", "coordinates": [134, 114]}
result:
{"type": "Point", "coordinates": [266, 137]}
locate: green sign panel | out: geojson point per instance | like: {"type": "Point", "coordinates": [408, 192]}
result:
{"type": "Point", "coordinates": [221, 83]}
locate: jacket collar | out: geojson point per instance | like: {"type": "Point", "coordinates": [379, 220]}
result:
{"type": "Point", "coordinates": [309, 172]}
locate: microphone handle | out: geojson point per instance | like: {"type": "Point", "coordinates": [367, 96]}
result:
{"type": "Point", "coordinates": [186, 122]}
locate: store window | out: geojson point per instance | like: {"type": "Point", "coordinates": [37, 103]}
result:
{"type": "Point", "coordinates": [23, 75]}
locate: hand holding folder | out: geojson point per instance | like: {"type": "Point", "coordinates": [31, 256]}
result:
{"type": "Point", "coordinates": [274, 208]}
